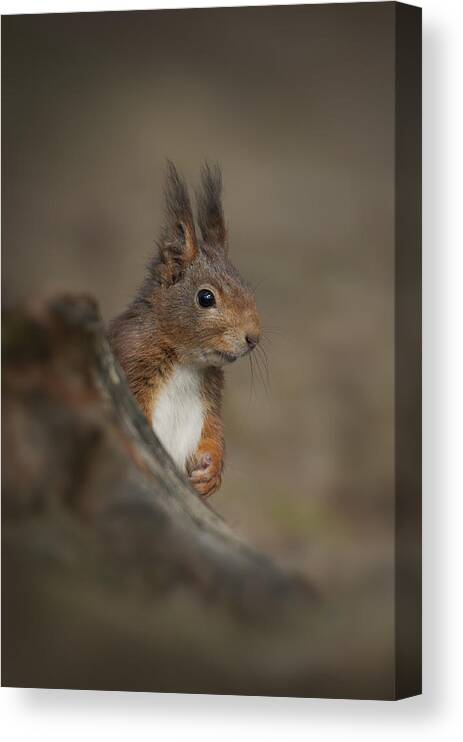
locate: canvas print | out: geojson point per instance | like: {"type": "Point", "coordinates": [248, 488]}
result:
{"type": "Point", "coordinates": [211, 395]}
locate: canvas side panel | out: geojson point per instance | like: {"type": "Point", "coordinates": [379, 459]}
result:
{"type": "Point", "coordinates": [408, 350]}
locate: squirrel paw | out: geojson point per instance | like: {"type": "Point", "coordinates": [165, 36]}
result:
{"type": "Point", "coordinates": [206, 474]}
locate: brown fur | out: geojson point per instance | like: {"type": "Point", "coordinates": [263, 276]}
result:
{"type": "Point", "coordinates": [164, 325]}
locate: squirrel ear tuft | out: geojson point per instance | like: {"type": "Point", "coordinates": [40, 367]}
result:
{"type": "Point", "coordinates": [178, 245]}
{"type": "Point", "coordinates": [210, 212]}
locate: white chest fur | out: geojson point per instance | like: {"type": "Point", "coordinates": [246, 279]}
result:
{"type": "Point", "coordinates": [179, 413]}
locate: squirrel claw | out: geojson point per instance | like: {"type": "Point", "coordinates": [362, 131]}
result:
{"type": "Point", "coordinates": [206, 475]}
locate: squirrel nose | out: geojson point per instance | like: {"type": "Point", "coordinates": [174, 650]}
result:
{"type": "Point", "coordinates": [252, 341]}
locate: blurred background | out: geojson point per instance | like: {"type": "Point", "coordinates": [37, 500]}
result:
{"type": "Point", "coordinates": [296, 104]}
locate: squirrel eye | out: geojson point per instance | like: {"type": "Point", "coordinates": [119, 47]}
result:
{"type": "Point", "coordinates": [205, 298]}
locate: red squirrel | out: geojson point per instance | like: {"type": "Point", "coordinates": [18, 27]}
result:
{"type": "Point", "coordinates": [192, 315]}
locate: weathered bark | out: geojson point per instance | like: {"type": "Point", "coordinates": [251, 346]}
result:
{"type": "Point", "coordinates": [115, 574]}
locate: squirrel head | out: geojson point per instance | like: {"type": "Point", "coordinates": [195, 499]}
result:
{"type": "Point", "coordinates": [205, 310]}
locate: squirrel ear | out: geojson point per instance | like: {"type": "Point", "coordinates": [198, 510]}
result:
{"type": "Point", "coordinates": [178, 246]}
{"type": "Point", "coordinates": [210, 212]}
